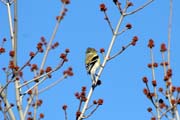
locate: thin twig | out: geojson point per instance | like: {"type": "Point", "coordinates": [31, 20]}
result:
{"type": "Point", "coordinates": [80, 104]}
{"type": "Point", "coordinates": [36, 78]}
{"type": "Point", "coordinates": [92, 112]}
{"type": "Point", "coordinates": [46, 53]}
{"type": "Point", "coordinates": [52, 37]}
{"type": "Point", "coordinates": [155, 91]}
{"type": "Point", "coordinates": [10, 24]}
{"type": "Point", "coordinates": [28, 62]}
{"type": "Point", "coordinates": [90, 106]}
{"type": "Point", "coordinates": [151, 96]}
{"type": "Point", "coordinates": [41, 76]}
{"type": "Point", "coordinates": [103, 55]}
{"type": "Point", "coordinates": [28, 104]}
{"type": "Point", "coordinates": [141, 7]}
{"type": "Point", "coordinates": [122, 31]}
{"type": "Point", "coordinates": [119, 7]}
{"type": "Point", "coordinates": [121, 51]}
{"type": "Point", "coordinates": [6, 102]}
{"type": "Point", "coordinates": [165, 113]}
{"type": "Point", "coordinates": [168, 91]}
{"type": "Point", "coordinates": [86, 104]}
{"type": "Point", "coordinates": [66, 116]}
{"type": "Point", "coordinates": [152, 65]}
{"type": "Point", "coordinates": [35, 90]}
{"type": "Point", "coordinates": [109, 22]}
{"type": "Point", "coordinates": [36, 99]}
{"type": "Point", "coordinates": [4, 87]}
{"type": "Point", "coordinates": [169, 47]}
{"type": "Point", "coordinates": [53, 84]}
{"type": "Point", "coordinates": [42, 80]}
{"type": "Point", "coordinates": [164, 64]}
{"type": "Point", "coordinates": [169, 31]}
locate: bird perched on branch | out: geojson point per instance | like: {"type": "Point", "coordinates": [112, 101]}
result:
{"type": "Point", "coordinates": [92, 63]}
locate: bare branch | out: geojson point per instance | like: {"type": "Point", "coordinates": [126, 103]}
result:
{"type": "Point", "coordinates": [121, 51]}
{"type": "Point", "coordinates": [147, 86]}
{"type": "Point", "coordinates": [119, 7]}
{"type": "Point", "coordinates": [53, 84]}
{"type": "Point", "coordinates": [5, 100]}
{"type": "Point", "coordinates": [90, 114]}
{"type": "Point", "coordinates": [42, 80]}
{"type": "Point", "coordinates": [44, 75]}
{"type": "Point", "coordinates": [155, 89]}
{"type": "Point", "coordinates": [4, 87]}
{"type": "Point", "coordinates": [164, 64]}
{"type": "Point", "coordinates": [138, 9]}
{"type": "Point", "coordinates": [109, 22]}
{"type": "Point", "coordinates": [165, 113]}
{"type": "Point", "coordinates": [152, 65]}
{"type": "Point", "coordinates": [52, 37]}
{"type": "Point", "coordinates": [66, 117]}
{"type": "Point", "coordinates": [36, 99]}
{"type": "Point", "coordinates": [86, 104]}
{"type": "Point", "coordinates": [28, 62]}
{"type": "Point", "coordinates": [122, 31]}
{"type": "Point", "coordinates": [169, 31]}
{"type": "Point", "coordinates": [28, 104]}
{"type": "Point", "coordinates": [10, 24]}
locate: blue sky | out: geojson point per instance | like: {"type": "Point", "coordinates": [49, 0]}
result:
{"type": "Point", "coordinates": [83, 27]}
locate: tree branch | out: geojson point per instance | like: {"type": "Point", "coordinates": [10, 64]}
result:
{"type": "Point", "coordinates": [52, 37]}
{"type": "Point", "coordinates": [101, 69]}
{"type": "Point", "coordinates": [53, 84]}
{"type": "Point", "coordinates": [140, 8]}
{"type": "Point", "coordinates": [121, 51]}
{"type": "Point", "coordinates": [155, 91]}
{"type": "Point", "coordinates": [5, 100]}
